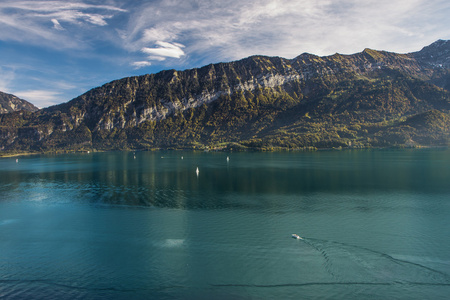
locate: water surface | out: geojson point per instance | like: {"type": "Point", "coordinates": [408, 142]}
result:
{"type": "Point", "coordinates": [144, 225]}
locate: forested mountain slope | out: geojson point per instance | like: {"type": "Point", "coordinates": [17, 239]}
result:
{"type": "Point", "coordinates": [369, 99]}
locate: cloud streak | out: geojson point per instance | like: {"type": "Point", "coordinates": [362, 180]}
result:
{"type": "Point", "coordinates": [141, 64]}
{"type": "Point", "coordinates": [28, 21]}
{"type": "Point", "coordinates": [56, 24]}
{"type": "Point", "coordinates": [215, 30]}
{"type": "Point", "coordinates": [236, 29]}
{"type": "Point", "coordinates": [164, 50]}
{"type": "Point", "coordinates": [40, 98]}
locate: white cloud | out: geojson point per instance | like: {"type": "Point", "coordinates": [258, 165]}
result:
{"type": "Point", "coordinates": [56, 25]}
{"type": "Point", "coordinates": [156, 58]}
{"type": "Point", "coordinates": [40, 98]}
{"type": "Point", "coordinates": [45, 6]}
{"type": "Point", "coordinates": [141, 64]}
{"type": "Point", "coordinates": [157, 34]}
{"type": "Point", "coordinates": [27, 21]}
{"type": "Point", "coordinates": [164, 50]}
{"type": "Point", "coordinates": [78, 17]}
{"type": "Point", "coordinates": [217, 30]}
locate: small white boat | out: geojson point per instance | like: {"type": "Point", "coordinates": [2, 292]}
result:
{"type": "Point", "coordinates": [296, 236]}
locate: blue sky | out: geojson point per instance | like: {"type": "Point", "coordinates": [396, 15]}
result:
{"type": "Point", "coordinates": [53, 51]}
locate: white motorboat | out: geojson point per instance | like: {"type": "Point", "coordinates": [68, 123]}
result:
{"type": "Point", "coordinates": [296, 236]}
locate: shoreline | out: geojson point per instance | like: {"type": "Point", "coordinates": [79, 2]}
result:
{"type": "Point", "coordinates": [239, 149]}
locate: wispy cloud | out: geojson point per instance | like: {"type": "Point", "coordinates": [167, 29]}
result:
{"type": "Point", "coordinates": [56, 25]}
{"type": "Point", "coordinates": [141, 64]}
{"type": "Point", "coordinates": [164, 50]}
{"type": "Point", "coordinates": [40, 98]}
{"type": "Point", "coordinates": [155, 34]}
{"type": "Point", "coordinates": [45, 6]}
{"type": "Point", "coordinates": [216, 30]}
{"type": "Point", "coordinates": [7, 75]}
{"type": "Point", "coordinates": [28, 21]}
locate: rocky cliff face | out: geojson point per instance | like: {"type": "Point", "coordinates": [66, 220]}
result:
{"type": "Point", "coordinates": [259, 101]}
{"type": "Point", "coordinates": [10, 103]}
{"type": "Point", "coordinates": [132, 101]}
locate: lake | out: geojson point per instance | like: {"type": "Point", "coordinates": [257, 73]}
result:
{"type": "Point", "coordinates": [146, 225]}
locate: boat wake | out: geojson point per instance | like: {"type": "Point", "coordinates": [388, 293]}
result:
{"type": "Point", "coordinates": [349, 263]}
{"type": "Point", "coordinates": [346, 271]}
{"type": "Point", "coordinates": [362, 283]}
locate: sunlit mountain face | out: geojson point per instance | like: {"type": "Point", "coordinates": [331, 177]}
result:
{"type": "Point", "coordinates": [368, 99]}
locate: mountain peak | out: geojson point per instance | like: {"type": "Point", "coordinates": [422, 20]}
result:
{"type": "Point", "coordinates": [373, 53]}
{"type": "Point", "coordinates": [439, 47]}
{"type": "Point", "coordinates": [436, 54]}
{"type": "Point", "coordinates": [10, 103]}
{"type": "Point", "coordinates": [438, 44]}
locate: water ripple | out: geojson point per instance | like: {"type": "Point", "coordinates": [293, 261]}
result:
{"type": "Point", "coordinates": [344, 261]}
{"type": "Point", "coordinates": [327, 284]}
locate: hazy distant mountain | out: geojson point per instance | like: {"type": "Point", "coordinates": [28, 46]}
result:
{"type": "Point", "coordinates": [10, 103]}
{"type": "Point", "coordinates": [372, 98]}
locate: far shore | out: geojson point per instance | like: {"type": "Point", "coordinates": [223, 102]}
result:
{"type": "Point", "coordinates": [308, 149]}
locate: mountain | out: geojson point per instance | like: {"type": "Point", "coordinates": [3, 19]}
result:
{"type": "Point", "coordinates": [10, 103]}
{"type": "Point", "coordinates": [368, 99]}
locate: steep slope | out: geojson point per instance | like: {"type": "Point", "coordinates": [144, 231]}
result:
{"type": "Point", "coordinates": [436, 57]}
{"type": "Point", "coordinates": [259, 102]}
{"type": "Point", "coordinates": [10, 103]}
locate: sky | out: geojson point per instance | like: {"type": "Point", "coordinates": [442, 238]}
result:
{"type": "Point", "coordinates": [54, 51]}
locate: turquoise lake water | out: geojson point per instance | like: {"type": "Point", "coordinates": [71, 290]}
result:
{"type": "Point", "coordinates": [145, 225]}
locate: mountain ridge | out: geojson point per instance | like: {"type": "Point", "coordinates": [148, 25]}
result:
{"type": "Point", "coordinates": [10, 103]}
{"type": "Point", "coordinates": [258, 102]}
